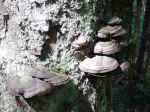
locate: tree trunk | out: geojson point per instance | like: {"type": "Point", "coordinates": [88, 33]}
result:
{"type": "Point", "coordinates": [144, 51]}
{"type": "Point", "coordinates": [41, 31]}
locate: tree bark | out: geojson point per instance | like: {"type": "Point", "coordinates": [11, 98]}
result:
{"type": "Point", "coordinates": [42, 31]}
{"type": "Point", "coordinates": [144, 51]}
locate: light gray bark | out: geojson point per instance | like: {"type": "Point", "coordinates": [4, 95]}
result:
{"type": "Point", "coordinates": [47, 28]}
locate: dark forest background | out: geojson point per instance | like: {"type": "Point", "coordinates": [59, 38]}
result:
{"type": "Point", "coordinates": [136, 14]}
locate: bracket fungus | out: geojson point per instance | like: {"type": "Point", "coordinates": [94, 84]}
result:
{"type": "Point", "coordinates": [34, 81]}
{"type": "Point", "coordinates": [114, 21]}
{"type": "Point", "coordinates": [113, 31]}
{"type": "Point", "coordinates": [102, 65]}
{"type": "Point", "coordinates": [98, 64]}
{"type": "Point", "coordinates": [107, 48]}
{"type": "Point", "coordinates": [79, 43]}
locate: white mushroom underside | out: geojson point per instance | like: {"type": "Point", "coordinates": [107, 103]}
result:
{"type": "Point", "coordinates": [108, 48]}
{"type": "Point", "coordinates": [98, 64]}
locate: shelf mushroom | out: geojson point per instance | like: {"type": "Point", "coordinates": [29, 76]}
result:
{"type": "Point", "coordinates": [79, 43]}
{"type": "Point", "coordinates": [34, 81]}
{"type": "Point", "coordinates": [101, 67]}
{"type": "Point", "coordinates": [98, 65]}
{"type": "Point", "coordinates": [107, 48]}
{"type": "Point", "coordinates": [113, 31]}
{"type": "Point", "coordinates": [82, 46]}
{"type": "Point", "coordinates": [114, 21]}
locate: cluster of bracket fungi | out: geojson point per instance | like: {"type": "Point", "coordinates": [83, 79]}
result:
{"type": "Point", "coordinates": [34, 81]}
{"type": "Point", "coordinates": [104, 49]}
{"type": "Point", "coordinates": [104, 62]}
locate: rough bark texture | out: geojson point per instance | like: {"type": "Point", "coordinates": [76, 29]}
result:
{"type": "Point", "coordinates": [42, 31]}
{"type": "Point", "coordinates": [46, 28]}
{"type": "Point", "coordinates": [144, 51]}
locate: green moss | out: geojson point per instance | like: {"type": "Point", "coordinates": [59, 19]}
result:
{"type": "Point", "coordinates": [57, 70]}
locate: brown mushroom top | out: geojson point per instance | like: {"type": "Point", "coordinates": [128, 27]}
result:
{"type": "Point", "coordinates": [79, 43]}
{"type": "Point", "coordinates": [114, 21]}
{"type": "Point", "coordinates": [98, 64]}
{"type": "Point", "coordinates": [109, 47]}
{"type": "Point", "coordinates": [113, 31]}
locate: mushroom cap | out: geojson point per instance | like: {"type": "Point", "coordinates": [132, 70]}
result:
{"type": "Point", "coordinates": [125, 66]}
{"type": "Point", "coordinates": [34, 81]}
{"type": "Point", "coordinates": [113, 31]}
{"type": "Point", "coordinates": [28, 86]}
{"type": "Point", "coordinates": [120, 32]}
{"type": "Point", "coordinates": [53, 78]}
{"type": "Point", "coordinates": [98, 64]}
{"type": "Point", "coordinates": [79, 43]}
{"type": "Point", "coordinates": [107, 48]}
{"type": "Point", "coordinates": [114, 21]}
